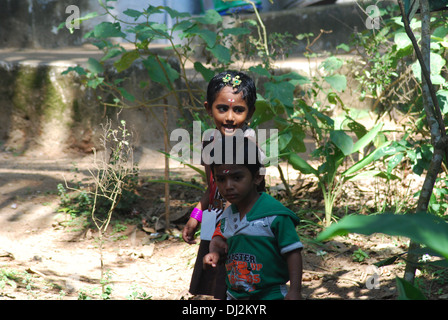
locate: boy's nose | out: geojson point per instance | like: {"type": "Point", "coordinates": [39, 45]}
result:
{"type": "Point", "coordinates": [229, 184]}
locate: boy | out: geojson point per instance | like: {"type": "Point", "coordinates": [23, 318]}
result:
{"type": "Point", "coordinates": [256, 235]}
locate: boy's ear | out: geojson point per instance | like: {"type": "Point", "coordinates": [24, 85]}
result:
{"type": "Point", "coordinates": [258, 178]}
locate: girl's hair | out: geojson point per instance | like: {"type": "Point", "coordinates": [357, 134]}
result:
{"type": "Point", "coordinates": [247, 86]}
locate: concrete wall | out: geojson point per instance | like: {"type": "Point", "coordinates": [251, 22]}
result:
{"type": "Point", "coordinates": [46, 113]}
{"type": "Point", "coordinates": [33, 23]}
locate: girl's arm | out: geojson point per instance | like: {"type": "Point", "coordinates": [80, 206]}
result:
{"type": "Point", "coordinates": [294, 260]}
{"type": "Point", "coordinates": [192, 224]}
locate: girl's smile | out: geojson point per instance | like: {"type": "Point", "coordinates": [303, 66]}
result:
{"type": "Point", "coordinates": [229, 111]}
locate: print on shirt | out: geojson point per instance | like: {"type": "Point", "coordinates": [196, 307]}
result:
{"type": "Point", "coordinates": [240, 269]}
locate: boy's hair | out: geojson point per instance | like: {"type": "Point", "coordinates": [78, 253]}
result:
{"type": "Point", "coordinates": [247, 86]}
{"type": "Point", "coordinates": [236, 150]}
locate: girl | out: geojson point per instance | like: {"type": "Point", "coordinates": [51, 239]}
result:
{"type": "Point", "coordinates": [230, 102]}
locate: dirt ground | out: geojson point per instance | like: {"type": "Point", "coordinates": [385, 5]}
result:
{"type": "Point", "coordinates": [44, 257]}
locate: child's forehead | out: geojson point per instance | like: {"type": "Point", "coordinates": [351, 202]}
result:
{"type": "Point", "coordinates": [225, 169]}
{"type": "Point", "coordinates": [229, 92]}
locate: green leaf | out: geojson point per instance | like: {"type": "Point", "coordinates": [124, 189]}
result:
{"type": "Point", "coordinates": [407, 291]}
{"type": "Point", "coordinates": [208, 36]}
{"type": "Point", "coordinates": [126, 94]}
{"type": "Point", "coordinates": [358, 128]}
{"type": "Point", "coordinates": [260, 70]}
{"type": "Point", "coordinates": [263, 113]}
{"type": "Point", "coordinates": [176, 14]}
{"type": "Point", "coordinates": [342, 141]}
{"type": "Point", "coordinates": [221, 53]}
{"type": "Point", "coordinates": [133, 13]}
{"type": "Point", "coordinates": [299, 164]}
{"type": "Point", "coordinates": [77, 69]}
{"type": "Point", "coordinates": [442, 97]}
{"type": "Point", "coordinates": [337, 81]}
{"type": "Point", "coordinates": [373, 156]}
{"type": "Point", "coordinates": [282, 91]}
{"type": "Point", "coordinates": [402, 40]}
{"type": "Point", "coordinates": [206, 73]}
{"type": "Point", "coordinates": [437, 63]}
{"type": "Point", "coordinates": [394, 161]}
{"type": "Point", "coordinates": [94, 66]}
{"type": "Point", "coordinates": [235, 31]}
{"type": "Point", "coordinates": [108, 30]}
{"type": "Point", "coordinates": [112, 52]}
{"type": "Point", "coordinates": [210, 17]}
{"type": "Point", "coordinates": [423, 228]}
{"type": "Point", "coordinates": [157, 71]}
{"type": "Point", "coordinates": [297, 144]}
{"type": "Point", "coordinates": [126, 60]}
{"type": "Point", "coordinates": [367, 138]}
{"type": "Point", "coordinates": [332, 64]}
{"type": "Point", "coordinates": [95, 82]}
{"type": "Point", "coordinates": [293, 77]}
{"type": "Point", "coordinates": [362, 175]}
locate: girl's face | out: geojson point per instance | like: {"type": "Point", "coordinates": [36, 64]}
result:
{"type": "Point", "coordinates": [237, 185]}
{"type": "Point", "coordinates": [229, 111]}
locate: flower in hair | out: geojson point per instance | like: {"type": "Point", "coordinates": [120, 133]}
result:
{"type": "Point", "coordinates": [236, 81]}
{"type": "Point", "coordinates": [227, 78]}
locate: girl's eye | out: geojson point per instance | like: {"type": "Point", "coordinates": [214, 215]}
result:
{"type": "Point", "coordinates": [239, 110]}
{"type": "Point", "coordinates": [222, 108]}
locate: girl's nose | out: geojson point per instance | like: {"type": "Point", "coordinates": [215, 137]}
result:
{"type": "Point", "coordinates": [230, 116]}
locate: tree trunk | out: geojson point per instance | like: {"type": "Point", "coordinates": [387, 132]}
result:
{"type": "Point", "coordinates": [435, 124]}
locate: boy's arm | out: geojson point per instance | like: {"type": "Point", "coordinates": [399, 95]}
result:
{"type": "Point", "coordinates": [218, 248]}
{"type": "Point", "coordinates": [294, 260]}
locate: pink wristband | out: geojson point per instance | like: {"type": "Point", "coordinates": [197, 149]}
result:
{"type": "Point", "coordinates": [196, 214]}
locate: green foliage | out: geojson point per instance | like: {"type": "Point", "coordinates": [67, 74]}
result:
{"type": "Point", "coordinates": [424, 228]}
{"type": "Point", "coordinates": [359, 255]}
{"type": "Point", "coordinates": [407, 291]}
{"type": "Point", "coordinates": [389, 69]}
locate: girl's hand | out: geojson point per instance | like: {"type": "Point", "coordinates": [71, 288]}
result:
{"type": "Point", "coordinates": [189, 231]}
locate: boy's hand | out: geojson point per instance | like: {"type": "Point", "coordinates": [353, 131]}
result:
{"type": "Point", "coordinates": [189, 231]}
{"type": "Point", "coordinates": [210, 259]}
{"type": "Point", "coordinates": [293, 295]}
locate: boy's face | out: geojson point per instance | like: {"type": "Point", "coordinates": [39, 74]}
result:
{"type": "Point", "coordinates": [229, 111]}
{"type": "Point", "coordinates": [236, 183]}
